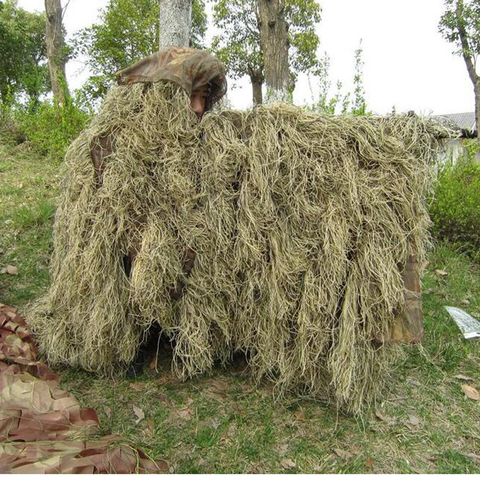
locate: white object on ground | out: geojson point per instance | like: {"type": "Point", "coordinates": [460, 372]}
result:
{"type": "Point", "coordinates": [466, 323]}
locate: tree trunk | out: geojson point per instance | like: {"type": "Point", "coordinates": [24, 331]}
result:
{"type": "Point", "coordinates": [477, 106]}
{"type": "Point", "coordinates": [469, 62]}
{"type": "Point", "coordinates": [175, 23]}
{"type": "Point", "coordinates": [55, 45]}
{"type": "Point", "coordinates": [274, 44]}
{"type": "Point", "coordinates": [257, 91]}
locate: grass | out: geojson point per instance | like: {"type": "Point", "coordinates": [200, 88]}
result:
{"type": "Point", "coordinates": [221, 423]}
{"type": "Point", "coordinates": [28, 187]}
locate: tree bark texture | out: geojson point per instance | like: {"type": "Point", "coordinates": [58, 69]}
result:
{"type": "Point", "coordinates": [257, 91]}
{"type": "Point", "coordinates": [55, 44]}
{"type": "Point", "coordinates": [175, 23]}
{"type": "Point", "coordinates": [476, 89]}
{"type": "Point", "coordinates": [468, 60]}
{"type": "Point", "coordinates": [274, 44]}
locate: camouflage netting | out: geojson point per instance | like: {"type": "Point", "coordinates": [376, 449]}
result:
{"type": "Point", "coordinates": [300, 223]}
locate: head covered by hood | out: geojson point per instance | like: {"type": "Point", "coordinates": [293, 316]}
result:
{"type": "Point", "coordinates": [190, 68]}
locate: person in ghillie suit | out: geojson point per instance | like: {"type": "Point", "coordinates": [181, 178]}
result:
{"type": "Point", "coordinates": [202, 77]}
{"type": "Point", "coordinates": [287, 235]}
{"type": "Point", "coordinates": [200, 74]}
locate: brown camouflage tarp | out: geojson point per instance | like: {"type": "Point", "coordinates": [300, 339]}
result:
{"type": "Point", "coordinates": [38, 419]}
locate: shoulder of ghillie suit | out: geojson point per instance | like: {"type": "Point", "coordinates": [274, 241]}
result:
{"type": "Point", "coordinates": [187, 67]}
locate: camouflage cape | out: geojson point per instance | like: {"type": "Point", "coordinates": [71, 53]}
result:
{"type": "Point", "coordinates": [38, 419]}
{"type": "Point", "coordinates": [191, 69]}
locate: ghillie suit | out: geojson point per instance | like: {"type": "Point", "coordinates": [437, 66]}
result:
{"type": "Point", "coordinates": [301, 226]}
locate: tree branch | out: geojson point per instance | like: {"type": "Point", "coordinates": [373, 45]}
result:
{"type": "Point", "coordinates": [464, 41]}
{"type": "Point", "coordinates": [65, 8]}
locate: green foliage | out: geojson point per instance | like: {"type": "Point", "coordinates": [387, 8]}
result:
{"type": "Point", "coordinates": [23, 71]}
{"type": "Point", "coordinates": [238, 44]}
{"type": "Point", "coordinates": [51, 128]}
{"type": "Point", "coordinates": [469, 19]}
{"type": "Point", "coordinates": [302, 17]}
{"type": "Point", "coordinates": [460, 25]}
{"type": "Point", "coordinates": [325, 103]}
{"type": "Point", "coordinates": [126, 32]}
{"type": "Point", "coordinates": [455, 208]}
{"type": "Point", "coordinates": [340, 102]}
{"type": "Point", "coordinates": [359, 106]}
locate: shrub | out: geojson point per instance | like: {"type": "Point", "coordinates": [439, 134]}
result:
{"type": "Point", "coordinates": [11, 132]}
{"type": "Point", "coordinates": [50, 128]}
{"type": "Point", "coordinates": [455, 208]}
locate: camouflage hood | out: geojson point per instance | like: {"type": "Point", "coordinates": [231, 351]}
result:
{"type": "Point", "coordinates": [191, 69]}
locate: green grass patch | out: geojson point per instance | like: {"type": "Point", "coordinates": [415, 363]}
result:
{"type": "Point", "coordinates": [28, 187]}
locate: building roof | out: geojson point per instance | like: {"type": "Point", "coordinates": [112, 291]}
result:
{"type": "Point", "coordinates": [461, 120]}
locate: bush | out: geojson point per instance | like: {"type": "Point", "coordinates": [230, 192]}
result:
{"type": "Point", "coordinates": [50, 129]}
{"type": "Point", "coordinates": [11, 132]}
{"type": "Point", "coordinates": [455, 208]}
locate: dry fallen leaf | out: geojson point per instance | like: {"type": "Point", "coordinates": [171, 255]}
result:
{"type": "Point", "coordinates": [139, 413]}
{"type": "Point", "coordinates": [412, 423]}
{"type": "Point", "coordinates": [300, 415]}
{"type": "Point", "coordinates": [185, 413]}
{"type": "Point", "coordinates": [381, 416]}
{"type": "Point", "coordinates": [138, 387]}
{"type": "Point", "coordinates": [108, 411]}
{"type": "Point", "coordinates": [11, 270]}
{"type": "Point", "coordinates": [149, 430]}
{"type": "Point", "coordinates": [463, 378]}
{"type": "Point", "coordinates": [288, 463]}
{"type": "Point", "coordinates": [471, 392]}
{"type": "Point", "coordinates": [246, 388]}
{"type": "Point", "coordinates": [162, 466]}
{"type": "Point", "coordinates": [413, 420]}
{"type": "Point", "coordinates": [163, 398]}
{"type": "Point", "coordinates": [441, 273]}
{"type": "Point", "coordinates": [256, 469]}
{"type": "Point", "coordinates": [384, 418]}
{"type": "Point", "coordinates": [231, 431]}
{"type": "Point", "coordinates": [215, 423]}
{"type": "Point", "coordinates": [342, 453]}
{"type": "Point", "coordinates": [369, 462]}
{"type": "Point", "coordinates": [283, 448]}
{"type": "Point", "coordinates": [219, 385]}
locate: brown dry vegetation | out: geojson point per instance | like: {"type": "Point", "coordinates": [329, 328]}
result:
{"type": "Point", "coordinates": [221, 422]}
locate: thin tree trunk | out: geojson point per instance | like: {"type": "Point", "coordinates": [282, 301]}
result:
{"type": "Point", "coordinates": [477, 106]}
{"type": "Point", "coordinates": [55, 44]}
{"type": "Point", "coordinates": [175, 23]}
{"type": "Point", "coordinates": [257, 91]}
{"type": "Point", "coordinates": [468, 61]}
{"type": "Point", "coordinates": [274, 44]}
